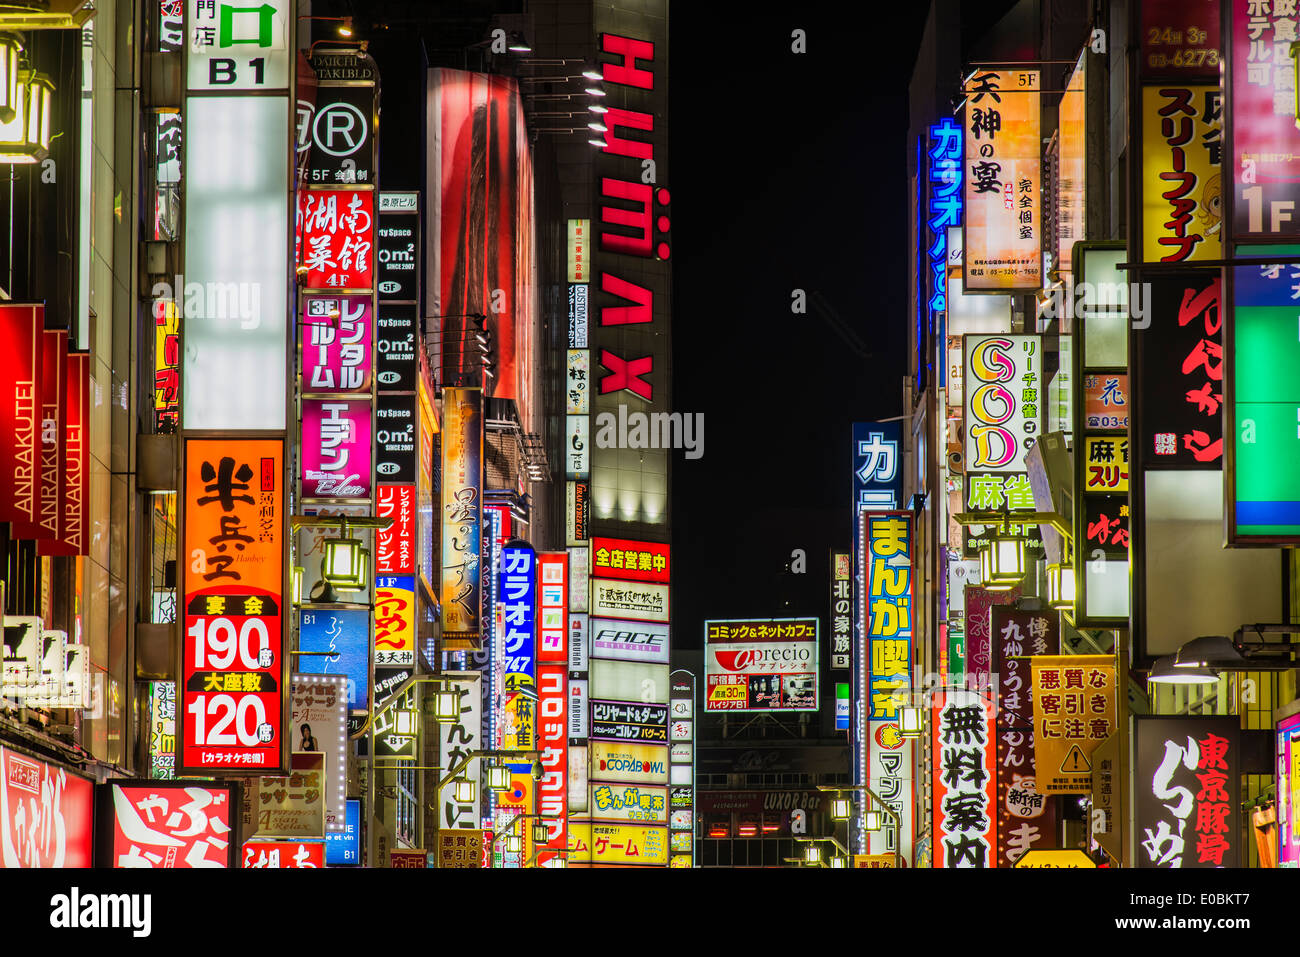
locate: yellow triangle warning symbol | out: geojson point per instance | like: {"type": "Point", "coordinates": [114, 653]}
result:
{"type": "Point", "coordinates": [1075, 762]}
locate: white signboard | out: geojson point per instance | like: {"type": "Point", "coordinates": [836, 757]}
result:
{"type": "Point", "coordinates": [455, 740]}
{"type": "Point", "coordinates": [638, 601]}
{"type": "Point", "coordinates": [238, 46]}
{"type": "Point", "coordinates": [629, 640]}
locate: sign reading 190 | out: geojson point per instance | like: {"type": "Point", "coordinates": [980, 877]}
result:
{"type": "Point", "coordinates": [238, 653]}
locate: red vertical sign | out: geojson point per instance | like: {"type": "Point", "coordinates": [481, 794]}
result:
{"type": "Point", "coordinates": [49, 438]}
{"type": "Point", "coordinates": [21, 329]}
{"type": "Point", "coordinates": [74, 495]}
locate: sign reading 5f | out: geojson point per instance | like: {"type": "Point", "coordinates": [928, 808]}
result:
{"type": "Point", "coordinates": [238, 46]}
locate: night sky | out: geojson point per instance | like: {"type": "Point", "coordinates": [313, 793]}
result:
{"type": "Point", "coordinates": [789, 172]}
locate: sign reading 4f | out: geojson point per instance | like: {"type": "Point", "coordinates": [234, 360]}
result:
{"type": "Point", "coordinates": [240, 45]}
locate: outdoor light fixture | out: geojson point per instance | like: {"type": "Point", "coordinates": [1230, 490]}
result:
{"type": "Point", "coordinates": [871, 820]}
{"type": "Point", "coordinates": [345, 28]}
{"type": "Point", "coordinates": [812, 854]}
{"type": "Point", "coordinates": [593, 74]}
{"type": "Point", "coordinates": [514, 844]}
{"type": "Point", "coordinates": [1006, 561]}
{"type": "Point", "coordinates": [837, 861]}
{"type": "Point", "coordinates": [598, 127]}
{"type": "Point", "coordinates": [541, 833]}
{"type": "Point", "coordinates": [405, 722]}
{"type": "Point", "coordinates": [538, 771]}
{"type": "Point", "coordinates": [26, 137]}
{"type": "Point", "coordinates": [446, 706]}
{"type": "Point", "coordinates": [498, 777]}
{"type": "Point", "coordinates": [909, 721]}
{"type": "Point", "coordinates": [841, 808]}
{"type": "Point", "coordinates": [1209, 651]}
{"type": "Point", "coordinates": [597, 108]}
{"type": "Point", "coordinates": [517, 44]}
{"type": "Point", "coordinates": [296, 591]}
{"type": "Point", "coordinates": [342, 562]}
{"type": "Point", "coordinates": [1164, 671]}
{"type": "Point", "coordinates": [463, 791]}
{"type": "Point", "coordinates": [10, 51]}
{"type": "Point", "coordinates": [363, 574]}
{"type": "Point", "coordinates": [1060, 585]}
{"type": "Point", "coordinates": [594, 91]}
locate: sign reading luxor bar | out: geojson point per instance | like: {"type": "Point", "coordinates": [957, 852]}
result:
{"type": "Point", "coordinates": [1187, 789]}
{"type": "Point", "coordinates": [233, 673]}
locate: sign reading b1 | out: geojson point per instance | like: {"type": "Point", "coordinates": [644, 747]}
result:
{"type": "Point", "coordinates": [238, 46]}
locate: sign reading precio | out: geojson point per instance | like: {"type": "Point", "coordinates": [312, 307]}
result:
{"type": "Point", "coordinates": [761, 665]}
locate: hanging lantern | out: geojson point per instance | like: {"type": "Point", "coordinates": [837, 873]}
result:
{"type": "Point", "coordinates": [10, 51]}
{"type": "Point", "coordinates": [1060, 585]}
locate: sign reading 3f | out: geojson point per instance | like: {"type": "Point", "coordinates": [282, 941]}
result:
{"type": "Point", "coordinates": [238, 46]}
{"type": "Point", "coordinates": [877, 478]}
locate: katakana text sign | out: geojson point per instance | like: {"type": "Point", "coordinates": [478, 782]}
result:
{"type": "Point", "coordinates": [1182, 148]}
{"type": "Point", "coordinates": [337, 335]}
{"type": "Point", "coordinates": [888, 612]}
{"type": "Point", "coordinates": [232, 654]}
{"type": "Point", "coordinates": [336, 448]}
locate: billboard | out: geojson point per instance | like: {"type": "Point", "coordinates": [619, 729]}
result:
{"type": "Point", "coordinates": [1003, 238]}
{"type": "Point", "coordinates": [629, 560]}
{"type": "Point", "coordinates": [518, 601]}
{"type": "Point", "coordinates": [553, 741]}
{"type": "Point", "coordinates": [628, 763]}
{"type": "Point", "coordinates": [761, 664]}
{"type": "Point", "coordinates": [877, 465]}
{"type": "Point", "coordinates": [552, 606]}
{"type": "Point", "coordinates": [318, 722]}
{"type": "Point", "coordinates": [336, 448]}
{"type": "Point", "coordinates": [337, 336]}
{"type": "Point", "coordinates": [629, 721]}
{"type": "Point", "coordinates": [629, 802]}
{"type": "Point", "coordinates": [1187, 791]}
{"type": "Point", "coordinates": [964, 779]}
{"type": "Point", "coordinates": [336, 641]}
{"type": "Point", "coordinates": [639, 601]}
{"type": "Point", "coordinates": [1288, 791]}
{"type": "Point", "coordinates": [233, 671]}
{"type": "Point", "coordinates": [167, 824]}
{"type": "Point", "coordinates": [283, 854]}
{"type": "Point", "coordinates": [395, 545]}
{"type": "Point", "coordinates": [628, 640]}
{"type": "Point", "coordinates": [46, 814]}
{"type": "Point", "coordinates": [74, 515]}
{"type": "Point", "coordinates": [1074, 709]}
{"type": "Point", "coordinates": [1264, 499]}
{"type": "Point", "coordinates": [394, 620]}
{"type": "Point", "coordinates": [343, 848]}
{"type": "Point", "coordinates": [456, 739]}
{"type": "Point", "coordinates": [480, 255]}
{"type": "Point", "coordinates": [1003, 415]}
{"type": "Point", "coordinates": [1182, 196]}
{"type": "Point", "coordinates": [462, 456]}
{"type": "Point", "coordinates": [887, 610]}
{"type": "Point", "coordinates": [1264, 140]}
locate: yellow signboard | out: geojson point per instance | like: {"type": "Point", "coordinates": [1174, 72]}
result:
{"type": "Point", "coordinates": [1074, 713]}
{"type": "Point", "coordinates": [579, 842]}
{"type": "Point", "coordinates": [875, 860]}
{"type": "Point", "coordinates": [629, 844]}
{"type": "Point", "coordinates": [1055, 857]}
{"type": "Point", "coordinates": [631, 763]}
{"type": "Point", "coordinates": [1105, 463]}
{"type": "Point", "coordinates": [1182, 204]}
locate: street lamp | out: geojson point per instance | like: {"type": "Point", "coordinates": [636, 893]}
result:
{"type": "Point", "coordinates": [446, 705]}
{"type": "Point", "coordinates": [498, 777]}
{"type": "Point", "coordinates": [812, 854]}
{"type": "Point", "coordinates": [871, 820]}
{"type": "Point", "coordinates": [909, 721]}
{"type": "Point", "coordinates": [1060, 585]}
{"type": "Point", "coordinates": [841, 808]}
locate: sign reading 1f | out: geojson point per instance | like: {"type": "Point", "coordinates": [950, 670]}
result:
{"type": "Point", "coordinates": [240, 45]}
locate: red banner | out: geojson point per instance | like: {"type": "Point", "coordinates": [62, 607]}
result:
{"type": "Point", "coordinates": [160, 824]}
{"type": "Point", "coordinates": [21, 346]}
{"type": "Point", "coordinates": [49, 438]}
{"type": "Point", "coordinates": [74, 491]}
{"type": "Point", "coordinates": [553, 741]}
{"type": "Point", "coordinates": [395, 550]}
{"type": "Point", "coordinates": [628, 560]}
{"type": "Point", "coordinates": [45, 814]}
{"type": "Point", "coordinates": [284, 854]}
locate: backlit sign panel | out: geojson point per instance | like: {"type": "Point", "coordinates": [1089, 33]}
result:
{"type": "Point", "coordinates": [233, 47]}
{"type": "Point", "coordinates": [336, 641]}
{"type": "Point", "coordinates": [337, 335]}
{"type": "Point", "coordinates": [628, 640]}
{"type": "Point", "coordinates": [629, 802]}
{"type": "Point", "coordinates": [1182, 146]}
{"type": "Point", "coordinates": [336, 232]}
{"type": "Point", "coordinates": [761, 665]}
{"type": "Point", "coordinates": [336, 448]}
{"type": "Point", "coordinates": [630, 763]}
{"type": "Point", "coordinates": [172, 824]}
{"type": "Point", "coordinates": [637, 601]}
{"type": "Point", "coordinates": [462, 455]}
{"type": "Point", "coordinates": [1003, 238]}
{"type": "Point", "coordinates": [964, 780]}
{"type": "Point", "coordinates": [518, 600]}
{"type": "Point", "coordinates": [46, 814]}
{"type": "Point", "coordinates": [232, 654]}
{"type": "Point", "coordinates": [629, 560]}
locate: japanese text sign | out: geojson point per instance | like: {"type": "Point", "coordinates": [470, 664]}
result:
{"type": "Point", "coordinates": [841, 609]}
{"type": "Point", "coordinates": [553, 741]}
{"type": "Point", "coordinates": [395, 545]}
{"type": "Point", "coordinates": [877, 465]}
{"type": "Point", "coordinates": [1179, 373]}
{"type": "Point", "coordinates": [232, 661]}
{"type": "Point", "coordinates": [337, 335]}
{"type": "Point", "coordinates": [1004, 401]}
{"type": "Point", "coordinates": [456, 739]}
{"type": "Point", "coordinates": [1187, 787]}
{"type": "Point", "coordinates": [284, 854]}
{"type": "Point", "coordinates": [1182, 149]}
{"type": "Point", "coordinates": [887, 601]}
{"type": "Point", "coordinates": [628, 560]}
{"type": "Point", "coordinates": [336, 448]}
{"type": "Point", "coordinates": [394, 620]}
{"type": "Point", "coordinates": [462, 454]}
{"type": "Point", "coordinates": [235, 46]}
{"type": "Point", "coordinates": [1003, 237]}
{"type": "Point", "coordinates": [1261, 108]}
{"type": "Point", "coordinates": [46, 814]}
{"type": "Point", "coordinates": [552, 606]}
{"type": "Point", "coordinates": [336, 235]}
{"type": "Point", "coordinates": [171, 824]}
{"type": "Point", "coordinates": [761, 665]}
{"type": "Point", "coordinates": [518, 598]}
{"type": "Point", "coordinates": [1074, 706]}
{"type": "Point", "coordinates": [965, 783]}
